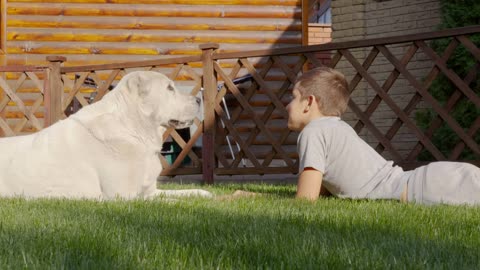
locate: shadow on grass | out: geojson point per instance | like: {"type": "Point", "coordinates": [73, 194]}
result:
{"type": "Point", "coordinates": [153, 235]}
{"type": "Point", "coordinates": [284, 191]}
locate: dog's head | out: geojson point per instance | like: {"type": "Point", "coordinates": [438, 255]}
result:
{"type": "Point", "coordinates": [160, 101]}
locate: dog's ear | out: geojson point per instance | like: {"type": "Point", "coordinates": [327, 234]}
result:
{"type": "Point", "coordinates": [138, 84]}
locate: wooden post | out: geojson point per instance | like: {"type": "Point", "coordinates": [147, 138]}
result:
{"type": "Point", "coordinates": [305, 10]}
{"type": "Point", "coordinates": [54, 92]}
{"type": "Point", "coordinates": [209, 93]}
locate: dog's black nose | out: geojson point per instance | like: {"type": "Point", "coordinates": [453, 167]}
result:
{"type": "Point", "coordinates": [198, 100]}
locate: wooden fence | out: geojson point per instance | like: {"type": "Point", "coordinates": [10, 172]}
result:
{"type": "Point", "coordinates": [243, 127]}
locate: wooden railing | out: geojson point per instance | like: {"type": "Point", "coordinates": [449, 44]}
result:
{"type": "Point", "coordinates": [243, 129]}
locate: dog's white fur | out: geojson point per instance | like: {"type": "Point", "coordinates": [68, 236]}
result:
{"type": "Point", "coordinates": [106, 150]}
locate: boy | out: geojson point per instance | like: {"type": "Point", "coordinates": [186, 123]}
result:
{"type": "Point", "coordinates": [334, 158]}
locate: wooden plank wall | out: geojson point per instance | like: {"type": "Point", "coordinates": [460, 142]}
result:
{"type": "Point", "coordinates": [106, 31]}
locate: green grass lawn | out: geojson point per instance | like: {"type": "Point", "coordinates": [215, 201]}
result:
{"type": "Point", "coordinates": [273, 231]}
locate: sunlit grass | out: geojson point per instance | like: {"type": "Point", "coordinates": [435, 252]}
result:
{"type": "Point", "coordinates": [272, 231]}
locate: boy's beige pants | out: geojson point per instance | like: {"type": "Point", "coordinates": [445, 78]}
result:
{"type": "Point", "coordinates": [444, 182]}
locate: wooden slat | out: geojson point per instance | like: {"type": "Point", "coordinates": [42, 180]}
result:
{"type": "Point", "coordinates": [31, 47]}
{"type": "Point", "coordinates": [158, 10]}
{"type": "Point", "coordinates": [79, 60]}
{"type": "Point", "coordinates": [144, 36]}
{"type": "Point", "coordinates": [22, 68]}
{"type": "Point", "coordinates": [180, 2]}
{"type": "Point", "coordinates": [134, 64]}
{"type": "Point", "coordinates": [26, 101]}
{"type": "Point", "coordinates": [335, 59]}
{"type": "Point", "coordinates": [471, 47]}
{"type": "Point", "coordinates": [210, 107]}
{"type": "Point", "coordinates": [152, 23]}
{"type": "Point", "coordinates": [19, 114]}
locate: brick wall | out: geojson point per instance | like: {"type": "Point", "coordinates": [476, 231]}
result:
{"type": "Point", "coordinates": [319, 34]}
{"type": "Point", "coordinates": [363, 19]}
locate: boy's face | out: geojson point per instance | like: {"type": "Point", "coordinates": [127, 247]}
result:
{"type": "Point", "coordinates": [297, 118]}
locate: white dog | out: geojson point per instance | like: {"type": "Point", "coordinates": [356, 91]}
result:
{"type": "Point", "coordinates": [106, 150]}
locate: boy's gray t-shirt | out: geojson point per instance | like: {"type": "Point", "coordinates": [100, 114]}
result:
{"type": "Point", "coordinates": [351, 168]}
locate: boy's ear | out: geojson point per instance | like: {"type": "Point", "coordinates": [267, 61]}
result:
{"type": "Point", "coordinates": [311, 99]}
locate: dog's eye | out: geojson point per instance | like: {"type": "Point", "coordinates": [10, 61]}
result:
{"type": "Point", "coordinates": [170, 88]}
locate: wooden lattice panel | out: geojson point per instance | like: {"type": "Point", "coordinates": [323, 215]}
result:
{"type": "Point", "coordinates": [253, 118]}
{"type": "Point", "coordinates": [21, 102]}
{"type": "Point", "coordinates": [265, 141]}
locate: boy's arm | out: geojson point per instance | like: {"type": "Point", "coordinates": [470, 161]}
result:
{"type": "Point", "coordinates": [310, 184]}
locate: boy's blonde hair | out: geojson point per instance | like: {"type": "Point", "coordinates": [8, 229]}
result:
{"type": "Point", "coordinates": [328, 86]}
